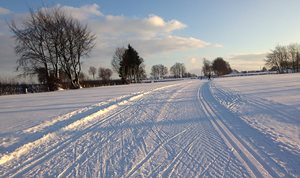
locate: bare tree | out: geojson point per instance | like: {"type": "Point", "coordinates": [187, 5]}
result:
{"type": "Point", "coordinates": [159, 71]}
{"type": "Point", "coordinates": [92, 71]}
{"type": "Point", "coordinates": [293, 52]}
{"type": "Point", "coordinates": [52, 40]}
{"type": "Point", "coordinates": [31, 46]}
{"type": "Point", "coordinates": [117, 58]}
{"type": "Point", "coordinates": [207, 68]}
{"type": "Point", "coordinates": [142, 72]}
{"type": "Point", "coordinates": [75, 43]}
{"type": "Point", "coordinates": [155, 72]}
{"type": "Point", "coordinates": [272, 62]}
{"type": "Point", "coordinates": [284, 58]}
{"type": "Point", "coordinates": [178, 70]}
{"type": "Point", "coordinates": [82, 76]}
{"type": "Point", "coordinates": [104, 74]}
{"type": "Point", "coordinates": [164, 71]}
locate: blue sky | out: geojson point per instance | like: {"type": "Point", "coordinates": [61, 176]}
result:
{"type": "Point", "coordinates": [172, 31]}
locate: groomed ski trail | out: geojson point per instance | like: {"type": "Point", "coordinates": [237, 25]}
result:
{"type": "Point", "coordinates": [173, 131]}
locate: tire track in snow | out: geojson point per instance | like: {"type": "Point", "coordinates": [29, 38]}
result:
{"type": "Point", "coordinates": [251, 163]}
{"type": "Point", "coordinates": [30, 163]}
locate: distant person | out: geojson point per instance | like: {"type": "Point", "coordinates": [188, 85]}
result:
{"type": "Point", "coordinates": [209, 76]}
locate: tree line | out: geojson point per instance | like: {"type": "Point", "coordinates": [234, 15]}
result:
{"type": "Point", "coordinates": [178, 70]}
{"type": "Point", "coordinates": [284, 58]}
{"type": "Point", "coordinates": [103, 73]}
{"type": "Point", "coordinates": [51, 45]}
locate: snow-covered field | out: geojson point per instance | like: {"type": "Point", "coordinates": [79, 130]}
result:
{"type": "Point", "coordinates": [228, 127]}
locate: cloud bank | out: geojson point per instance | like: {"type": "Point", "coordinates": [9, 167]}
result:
{"type": "Point", "coordinates": [252, 61]}
{"type": "Point", "coordinates": [82, 13]}
{"type": "Point", "coordinates": [151, 35]}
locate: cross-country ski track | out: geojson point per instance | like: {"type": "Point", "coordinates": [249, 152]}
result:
{"type": "Point", "coordinates": [183, 129]}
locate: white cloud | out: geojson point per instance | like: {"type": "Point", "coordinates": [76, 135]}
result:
{"type": "Point", "coordinates": [193, 61]}
{"type": "Point", "coordinates": [247, 55]}
{"type": "Point", "coordinates": [156, 21]}
{"type": "Point", "coordinates": [151, 35]}
{"type": "Point", "coordinates": [160, 23]}
{"type": "Point", "coordinates": [135, 28]}
{"type": "Point", "coordinates": [244, 61]}
{"type": "Point", "coordinates": [84, 12]}
{"type": "Point", "coordinates": [194, 64]}
{"type": "Point", "coordinates": [217, 45]}
{"type": "Point", "coordinates": [168, 44]}
{"type": "Point", "coordinates": [4, 11]}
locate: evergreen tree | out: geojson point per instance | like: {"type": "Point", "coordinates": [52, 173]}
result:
{"type": "Point", "coordinates": [130, 66]}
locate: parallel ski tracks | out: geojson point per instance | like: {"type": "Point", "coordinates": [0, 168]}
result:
{"type": "Point", "coordinates": [193, 147]}
{"type": "Point", "coordinates": [275, 168]}
{"type": "Point", "coordinates": [61, 144]}
{"type": "Point", "coordinates": [30, 163]}
{"type": "Point", "coordinates": [244, 153]}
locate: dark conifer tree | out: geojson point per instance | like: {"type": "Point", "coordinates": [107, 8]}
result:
{"type": "Point", "coordinates": [130, 66]}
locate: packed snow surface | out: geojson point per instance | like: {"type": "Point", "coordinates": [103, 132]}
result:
{"type": "Point", "coordinates": [227, 127]}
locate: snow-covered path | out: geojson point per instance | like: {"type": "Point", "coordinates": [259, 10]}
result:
{"type": "Point", "coordinates": [183, 129]}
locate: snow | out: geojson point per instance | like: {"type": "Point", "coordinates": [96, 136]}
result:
{"type": "Point", "coordinates": [283, 88]}
{"type": "Point", "coordinates": [228, 127]}
{"type": "Point", "coordinates": [270, 104]}
{"type": "Point", "coordinates": [30, 109]}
